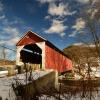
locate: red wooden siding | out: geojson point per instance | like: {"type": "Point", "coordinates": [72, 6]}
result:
{"type": "Point", "coordinates": [55, 60]}
{"type": "Point", "coordinates": [26, 41]}
{"type": "Point", "coordinates": [29, 38]}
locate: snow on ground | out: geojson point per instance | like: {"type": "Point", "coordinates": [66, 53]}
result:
{"type": "Point", "coordinates": [77, 96]}
{"type": "Point", "coordinates": [35, 75]}
{"type": "Point", "coordinates": [6, 90]}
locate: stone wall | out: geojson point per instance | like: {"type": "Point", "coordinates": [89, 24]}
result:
{"type": "Point", "coordinates": [41, 85]}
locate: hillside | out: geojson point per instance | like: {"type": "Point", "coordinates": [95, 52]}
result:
{"type": "Point", "coordinates": [76, 52]}
{"type": "Point", "coordinates": [6, 62]}
{"type": "Point", "coordinates": [84, 58]}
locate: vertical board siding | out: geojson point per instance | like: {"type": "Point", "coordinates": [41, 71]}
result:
{"type": "Point", "coordinates": [57, 61]}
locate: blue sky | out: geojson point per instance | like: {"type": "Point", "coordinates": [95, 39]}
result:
{"type": "Point", "coordinates": [56, 20]}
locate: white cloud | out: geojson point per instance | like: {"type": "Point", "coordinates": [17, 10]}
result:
{"type": "Point", "coordinates": [10, 42]}
{"type": "Point", "coordinates": [78, 44]}
{"type": "Point", "coordinates": [13, 41]}
{"type": "Point", "coordinates": [57, 27]}
{"type": "Point", "coordinates": [83, 44]}
{"type": "Point", "coordinates": [73, 34]}
{"type": "Point", "coordinates": [2, 42]}
{"type": "Point", "coordinates": [83, 1]}
{"type": "Point", "coordinates": [59, 10]}
{"type": "Point", "coordinates": [79, 25]}
{"type": "Point", "coordinates": [11, 30]}
{"type": "Point", "coordinates": [47, 17]}
{"type": "Point", "coordinates": [15, 21]}
{"type": "Point", "coordinates": [13, 34]}
{"type": "Point", "coordinates": [2, 17]}
{"type": "Point", "coordinates": [46, 1]}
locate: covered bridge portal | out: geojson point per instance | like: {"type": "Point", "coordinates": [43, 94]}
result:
{"type": "Point", "coordinates": [31, 54]}
{"type": "Point", "coordinates": [36, 50]}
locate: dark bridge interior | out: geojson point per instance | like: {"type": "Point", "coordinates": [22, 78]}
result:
{"type": "Point", "coordinates": [31, 54]}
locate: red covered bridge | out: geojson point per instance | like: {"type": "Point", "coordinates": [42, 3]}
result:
{"type": "Point", "coordinates": [36, 50]}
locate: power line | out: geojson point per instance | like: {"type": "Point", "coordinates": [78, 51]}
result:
{"type": "Point", "coordinates": [8, 48]}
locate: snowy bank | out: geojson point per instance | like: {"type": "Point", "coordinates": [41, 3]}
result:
{"type": "Point", "coordinates": [6, 90]}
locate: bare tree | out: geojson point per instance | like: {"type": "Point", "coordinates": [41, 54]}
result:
{"type": "Point", "coordinates": [91, 16]}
